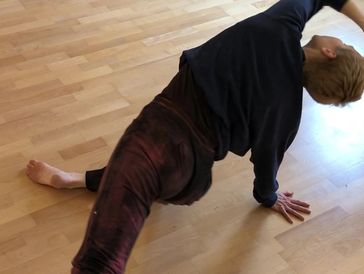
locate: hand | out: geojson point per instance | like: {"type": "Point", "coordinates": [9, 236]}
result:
{"type": "Point", "coordinates": [287, 206]}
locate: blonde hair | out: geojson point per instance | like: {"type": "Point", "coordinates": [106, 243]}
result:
{"type": "Point", "coordinates": [341, 78]}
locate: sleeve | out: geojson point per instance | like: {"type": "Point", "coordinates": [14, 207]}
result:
{"type": "Point", "coordinates": [270, 140]}
{"type": "Point", "coordinates": [296, 13]}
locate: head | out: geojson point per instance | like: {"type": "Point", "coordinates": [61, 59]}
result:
{"type": "Point", "coordinates": [333, 72]}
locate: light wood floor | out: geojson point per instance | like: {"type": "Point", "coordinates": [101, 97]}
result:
{"type": "Point", "coordinates": [74, 73]}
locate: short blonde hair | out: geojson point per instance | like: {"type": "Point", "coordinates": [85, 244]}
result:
{"type": "Point", "coordinates": [341, 78]}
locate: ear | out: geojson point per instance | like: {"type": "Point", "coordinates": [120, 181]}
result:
{"type": "Point", "coordinates": [329, 53]}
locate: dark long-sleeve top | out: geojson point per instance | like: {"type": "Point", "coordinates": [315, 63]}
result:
{"type": "Point", "coordinates": [251, 75]}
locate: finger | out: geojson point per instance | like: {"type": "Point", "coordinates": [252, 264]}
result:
{"type": "Point", "coordinates": [299, 208]}
{"type": "Point", "coordinates": [288, 194]}
{"type": "Point", "coordinates": [295, 214]}
{"type": "Point", "coordinates": [300, 203]}
{"type": "Point", "coordinates": [283, 211]}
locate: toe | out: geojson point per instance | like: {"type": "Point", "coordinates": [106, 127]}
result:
{"type": "Point", "coordinates": [33, 162]}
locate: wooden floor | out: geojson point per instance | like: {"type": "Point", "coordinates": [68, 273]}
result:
{"type": "Point", "coordinates": [74, 73]}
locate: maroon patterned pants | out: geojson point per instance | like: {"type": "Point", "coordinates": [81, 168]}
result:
{"type": "Point", "coordinates": [166, 154]}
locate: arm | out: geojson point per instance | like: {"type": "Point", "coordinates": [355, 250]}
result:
{"type": "Point", "coordinates": [266, 164]}
{"type": "Point", "coordinates": [265, 170]}
{"type": "Point", "coordinates": [351, 10]}
{"type": "Point", "coordinates": [296, 13]}
{"type": "Point", "coordinates": [271, 135]}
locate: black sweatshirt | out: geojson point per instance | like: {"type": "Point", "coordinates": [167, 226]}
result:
{"type": "Point", "coordinates": [251, 75]}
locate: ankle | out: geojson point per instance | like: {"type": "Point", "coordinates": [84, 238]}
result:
{"type": "Point", "coordinates": [78, 180]}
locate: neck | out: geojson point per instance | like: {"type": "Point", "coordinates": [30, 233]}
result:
{"type": "Point", "coordinates": [311, 57]}
{"type": "Point", "coordinates": [311, 54]}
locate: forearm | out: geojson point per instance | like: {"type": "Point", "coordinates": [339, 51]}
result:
{"type": "Point", "coordinates": [266, 165]}
{"type": "Point", "coordinates": [265, 193]}
{"type": "Point", "coordinates": [351, 10]}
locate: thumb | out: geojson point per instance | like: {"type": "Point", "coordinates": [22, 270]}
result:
{"type": "Point", "coordinates": [288, 194]}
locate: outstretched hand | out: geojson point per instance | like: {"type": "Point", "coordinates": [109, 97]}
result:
{"type": "Point", "coordinates": [289, 207]}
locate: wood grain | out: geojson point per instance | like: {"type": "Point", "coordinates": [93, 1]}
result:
{"type": "Point", "coordinates": [73, 75]}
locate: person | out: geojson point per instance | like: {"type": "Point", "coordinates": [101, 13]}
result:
{"type": "Point", "coordinates": [239, 91]}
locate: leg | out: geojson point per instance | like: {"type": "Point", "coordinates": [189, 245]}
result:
{"type": "Point", "coordinates": [128, 189]}
{"type": "Point", "coordinates": [45, 174]}
{"type": "Point", "coordinates": [93, 178]}
{"type": "Point", "coordinates": [154, 160]}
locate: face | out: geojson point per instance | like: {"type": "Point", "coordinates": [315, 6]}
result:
{"type": "Point", "coordinates": [319, 42]}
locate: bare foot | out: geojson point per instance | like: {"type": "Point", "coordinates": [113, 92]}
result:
{"type": "Point", "coordinates": [42, 173]}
